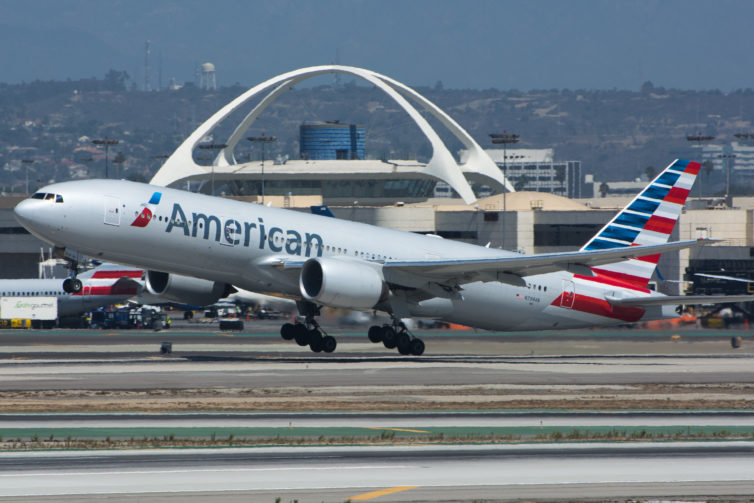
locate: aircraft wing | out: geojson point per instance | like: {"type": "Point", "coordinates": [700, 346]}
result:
{"type": "Point", "coordinates": [511, 269]}
{"type": "Point", "coordinates": [679, 299]}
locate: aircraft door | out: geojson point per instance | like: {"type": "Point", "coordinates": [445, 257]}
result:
{"type": "Point", "coordinates": [569, 294]}
{"type": "Point", "coordinates": [231, 231]}
{"type": "Point", "coordinates": [112, 210]}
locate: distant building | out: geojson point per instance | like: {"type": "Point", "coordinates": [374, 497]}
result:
{"type": "Point", "coordinates": [331, 141]}
{"type": "Point", "coordinates": [743, 162]}
{"type": "Point", "coordinates": [536, 170]}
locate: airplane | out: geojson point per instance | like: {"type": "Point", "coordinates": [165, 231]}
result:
{"type": "Point", "coordinates": [101, 286]}
{"type": "Point", "coordinates": [322, 261]}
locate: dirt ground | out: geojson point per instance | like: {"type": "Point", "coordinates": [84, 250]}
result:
{"type": "Point", "coordinates": [425, 398]}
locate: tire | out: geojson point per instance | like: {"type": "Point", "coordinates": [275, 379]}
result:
{"type": "Point", "coordinates": [188, 315]}
{"type": "Point", "coordinates": [301, 335]}
{"type": "Point", "coordinates": [314, 336]}
{"type": "Point", "coordinates": [316, 345]}
{"type": "Point", "coordinates": [404, 343]}
{"type": "Point", "coordinates": [67, 285]}
{"type": "Point", "coordinates": [288, 331]}
{"type": "Point", "coordinates": [329, 344]}
{"type": "Point", "coordinates": [403, 340]}
{"type": "Point", "coordinates": [417, 347]}
{"type": "Point", "coordinates": [375, 334]}
{"type": "Point", "coordinates": [76, 285]}
{"type": "Point", "coordinates": [389, 337]}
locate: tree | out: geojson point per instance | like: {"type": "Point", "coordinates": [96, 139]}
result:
{"type": "Point", "coordinates": [521, 182]}
{"type": "Point", "coordinates": [650, 172]}
{"type": "Point", "coordinates": [604, 189]}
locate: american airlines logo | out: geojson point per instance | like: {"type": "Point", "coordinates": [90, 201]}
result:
{"type": "Point", "coordinates": [143, 219]}
{"type": "Point", "coordinates": [232, 232]}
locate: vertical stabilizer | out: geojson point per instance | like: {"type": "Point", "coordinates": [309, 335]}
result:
{"type": "Point", "coordinates": [648, 220]}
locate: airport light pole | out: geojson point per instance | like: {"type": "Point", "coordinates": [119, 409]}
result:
{"type": "Point", "coordinates": [263, 140]}
{"type": "Point", "coordinates": [727, 157]}
{"type": "Point", "coordinates": [504, 139]}
{"type": "Point", "coordinates": [106, 142]}
{"type": "Point", "coordinates": [27, 163]}
{"type": "Point", "coordinates": [213, 146]}
{"type": "Point", "coordinates": [699, 139]}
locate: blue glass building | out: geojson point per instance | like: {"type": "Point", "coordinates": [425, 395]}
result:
{"type": "Point", "coordinates": [331, 140]}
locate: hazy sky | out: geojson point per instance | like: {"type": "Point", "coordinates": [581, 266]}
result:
{"type": "Point", "coordinates": [689, 44]}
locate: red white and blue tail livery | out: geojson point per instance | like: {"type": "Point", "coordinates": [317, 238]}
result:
{"type": "Point", "coordinates": [648, 220]}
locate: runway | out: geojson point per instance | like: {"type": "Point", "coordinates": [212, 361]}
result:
{"type": "Point", "coordinates": [498, 473]}
{"type": "Point", "coordinates": [514, 394]}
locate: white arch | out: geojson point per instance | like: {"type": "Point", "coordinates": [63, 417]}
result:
{"type": "Point", "coordinates": [180, 165]}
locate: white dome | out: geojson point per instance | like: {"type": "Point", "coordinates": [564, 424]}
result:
{"type": "Point", "coordinates": [208, 67]}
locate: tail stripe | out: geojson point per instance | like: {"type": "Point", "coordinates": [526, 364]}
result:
{"type": "Point", "coordinates": [677, 195]}
{"type": "Point", "coordinates": [632, 219]}
{"type": "Point", "coordinates": [660, 224]}
{"type": "Point", "coordinates": [603, 244]}
{"type": "Point", "coordinates": [644, 206]}
{"type": "Point", "coordinates": [620, 233]}
{"type": "Point", "coordinates": [668, 178]}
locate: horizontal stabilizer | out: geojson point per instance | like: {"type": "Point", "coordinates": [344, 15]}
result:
{"type": "Point", "coordinates": [658, 300]}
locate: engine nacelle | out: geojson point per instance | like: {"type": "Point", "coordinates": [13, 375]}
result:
{"type": "Point", "coordinates": [342, 283]}
{"type": "Point", "coordinates": [185, 289]}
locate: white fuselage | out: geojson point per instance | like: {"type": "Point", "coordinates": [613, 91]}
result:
{"type": "Point", "coordinates": [243, 244]}
{"type": "Point", "coordinates": [92, 296]}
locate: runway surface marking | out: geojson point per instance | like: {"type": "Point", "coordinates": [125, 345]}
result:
{"type": "Point", "coordinates": [381, 492]}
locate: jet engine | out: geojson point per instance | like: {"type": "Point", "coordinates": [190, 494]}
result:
{"type": "Point", "coordinates": [185, 289]}
{"type": "Point", "coordinates": [342, 283]}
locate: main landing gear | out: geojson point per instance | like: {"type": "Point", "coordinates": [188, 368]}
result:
{"type": "Point", "coordinates": [397, 336]}
{"type": "Point", "coordinates": [309, 333]}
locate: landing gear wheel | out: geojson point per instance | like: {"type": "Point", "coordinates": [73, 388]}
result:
{"type": "Point", "coordinates": [316, 345]}
{"type": "Point", "coordinates": [375, 333]}
{"type": "Point", "coordinates": [389, 337]}
{"type": "Point", "coordinates": [314, 337]}
{"type": "Point", "coordinates": [67, 288]}
{"type": "Point", "coordinates": [403, 340]}
{"type": "Point", "coordinates": [288, 331]}
{"type": "Point", "coordinates": [417, 347]}
{"type": "Point", "coordinates": [404, 343]}
{"type": "Point", "coordinates": [301, 335]}
{"type": "Point", "coordinates": [76, 285]}
{"type": "Point", "coordinates": [329, 344]}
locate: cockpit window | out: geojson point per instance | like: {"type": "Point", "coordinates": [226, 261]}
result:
{"type": "Point", "coordinates": [48, 196]}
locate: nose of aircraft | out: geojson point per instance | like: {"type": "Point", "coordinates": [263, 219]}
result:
{"type": "Point", "coordinates": [24, 211]}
